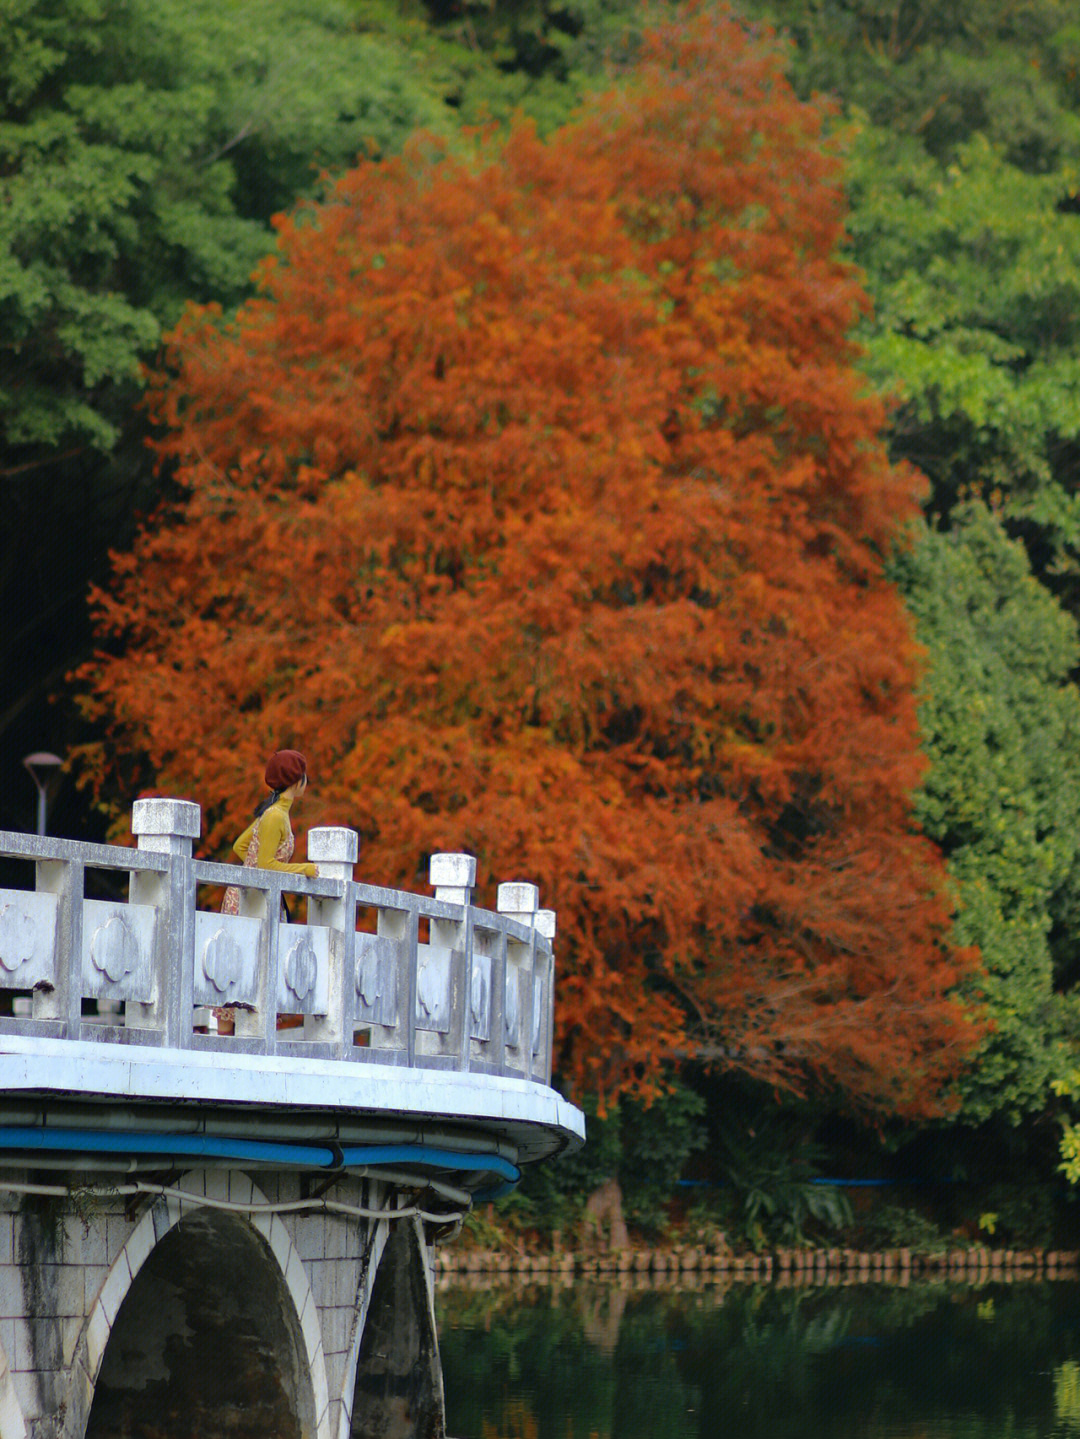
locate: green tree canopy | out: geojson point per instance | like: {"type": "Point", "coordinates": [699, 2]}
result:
{"type": "Point", "coordinates": [944, 70]}
{"type": "Point", "coordinates": [538, 56]}
{"type": "Point", "coordinates": [964, 178]}
{"type": "Point", "coordinates": [975, 273]}
{"type": "Point", "coordinates": [143, 149]}
{"type": "Point", "coordinates": [1001, 721]}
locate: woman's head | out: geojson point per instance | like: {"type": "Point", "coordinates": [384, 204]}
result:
{"type": "Point", "coordinates": [286, 773]}
{"type": "Point", "coordinates": [286, 768]}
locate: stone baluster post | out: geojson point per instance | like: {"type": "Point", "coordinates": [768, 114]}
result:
{"type": "Point", "coordinates": [496, 1046]}
{"type": "Point", "coordinates": [544, 999]}
{"type": "Point", "coordinates": [453, 877]}
{"type": "Point", "coordinates": [519, 900]}
{"type": "Point", "coordinates": [260, 1022]}
{"type": "Point", "coordinates": [168, 826]}
{"type": "Point", "coordinates": [398, 927]}
{"type": "Point", "coordinates": [63, 1002]}
{"type": "Point", "coordinates": [334, 850]}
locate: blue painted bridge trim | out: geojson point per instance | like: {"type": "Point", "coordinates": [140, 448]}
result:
{"type": "Point", "coordinates": [206, 1146]}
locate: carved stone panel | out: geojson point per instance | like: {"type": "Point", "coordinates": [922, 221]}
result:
{"type": "Point", "coordinates": [226, 959]}
{"type": "Point", "coordinates": [376, 979]}
{"type": "Point", "coordinates": [118, 950]}
{"type": "Point", "coordinates": [27, 938]}
{"type": "Point", "coordinates": [304, 978]}
{"type": "Point", "coordinates": [480, 997]}
{"type": "Point", "coordinates": [222, 961]}
{"type": "Point", "coordinates": [433, 988]}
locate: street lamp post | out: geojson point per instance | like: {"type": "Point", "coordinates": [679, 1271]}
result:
{"type": "Point", "coordinates": [41, 759]}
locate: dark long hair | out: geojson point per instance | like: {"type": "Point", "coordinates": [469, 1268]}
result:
{"type": "Point", "coordinates": [264, 804]}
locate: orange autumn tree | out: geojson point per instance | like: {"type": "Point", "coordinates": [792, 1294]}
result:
{"type": "Point", "coordinates": [538, 501]}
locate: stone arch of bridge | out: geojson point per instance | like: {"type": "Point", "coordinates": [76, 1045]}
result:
{"type": "Point", "coordinates": [256, 1324]}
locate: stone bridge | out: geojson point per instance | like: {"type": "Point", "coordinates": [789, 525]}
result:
{"type": "Point", "coordinates": [210, 1235]}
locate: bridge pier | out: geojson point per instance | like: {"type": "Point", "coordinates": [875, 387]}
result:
{"type": "Point", "coordinates": [133, 1315]}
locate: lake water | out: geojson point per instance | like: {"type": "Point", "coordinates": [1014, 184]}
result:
{"type": "Point", "coordinates": [929, 1361]}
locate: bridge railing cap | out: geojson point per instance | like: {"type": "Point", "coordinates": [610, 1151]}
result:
{"type": "Point", "coordinates": [456, 871]}
{"type": "Point", "coordinates": [518, 897]}
{"type": "Point", "coordinates": [180, 817]}
{"type": "Point", "coordinates": [333, 844]}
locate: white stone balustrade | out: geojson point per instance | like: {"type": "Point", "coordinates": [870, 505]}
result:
{"type": "Point", "coordinates": [436, 983]}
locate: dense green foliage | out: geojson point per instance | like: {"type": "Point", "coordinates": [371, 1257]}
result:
{"type": "Point", "coordinates": [976, 280]}
{"type": "Point", "coordinates": [539, 56]}
{"type": "Point", "coordinates": [645, 1149]}
{"type": "Point", "coordinates": [144, 149]}
{"type": "Point", "coordinates": [964, 145]}
{"type": "Point", "coordinates": [1001, 716]}
{"type": "Point", "coordinates": [943, 70]}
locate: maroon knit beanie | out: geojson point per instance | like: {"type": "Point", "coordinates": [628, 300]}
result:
{"type": "Point", "coordinates": [285, 768]}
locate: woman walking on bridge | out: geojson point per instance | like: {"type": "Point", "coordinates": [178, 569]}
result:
{"type": "Point", "coordinates": [268, 842]}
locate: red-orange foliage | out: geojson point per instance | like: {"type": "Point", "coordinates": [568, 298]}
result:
{"type": "Point", "coordinates": [538, 501]}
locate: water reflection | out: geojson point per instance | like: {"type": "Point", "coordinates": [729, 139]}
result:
{"type": "Point", "coordinates": [930, 1361]}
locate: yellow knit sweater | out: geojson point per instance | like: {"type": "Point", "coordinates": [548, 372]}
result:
{"type": "Point", "coordinates": [274, 826]}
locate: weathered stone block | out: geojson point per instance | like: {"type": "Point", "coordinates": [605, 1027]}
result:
{"type": "Point", "coordinates": [309, 1236]}
{"type": "Point", "coordinates": [69, 1289]}
{"type": "Point", "coordinates": [337, 1329]}
{"type": "Point", "coordinates": [97, 1336]}
{"type": "Point", "coordinates": [94, 1276]}
{"type": "Point", "coordinates": [6, 1239]}
{"type": "Point", "coordinates": [70, 1334]}
{"type": "Point", "coordinates": [140, 1243]}
{"type": "Point", "coordinates": [117, 1233]}
{"type": "Point", "coordinates": [115, 1287]}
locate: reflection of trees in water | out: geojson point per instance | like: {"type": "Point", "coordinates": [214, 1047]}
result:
{"type": "Point", "coordinates": [511, 1352]}
{"type": "Point", "coordinates": [516, 1422]}
{"type": "Point", "coordinates": [947, 1363]}
{"type": "Point", "coordinates": [602, 1311]}
{"type": "Point", "coordinates": [1067, 1396]}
